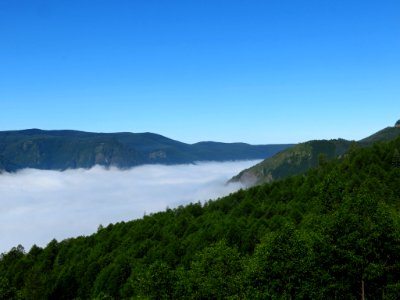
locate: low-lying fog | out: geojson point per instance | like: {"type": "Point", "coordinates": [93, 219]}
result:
{"type": "Point", "coordinates": [37, 206]}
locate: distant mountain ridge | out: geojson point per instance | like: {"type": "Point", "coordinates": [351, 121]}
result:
{"type": "Point", "coordinates": [304, 156]}
{"type": "Point", "coordinates": [69, 149]}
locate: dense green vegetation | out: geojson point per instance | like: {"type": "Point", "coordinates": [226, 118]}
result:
{"type": "Point", "coordinates": [304, 156]}
{"type": "Point", "coordinates": [67, 149]}
{"type": "Point", "coordinates": [386, 134]}
{"type": "Point", "coordinates": [333, 233]}
{"type": "Point", "coordinates": [293, 161]}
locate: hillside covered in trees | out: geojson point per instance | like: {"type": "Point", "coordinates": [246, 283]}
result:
{"type": "Point", "coordinates": [69, 149]}
{"type": "Point", "coordinates": [332, 233]}
{"type": "Point", "coordinates": [298, 159]}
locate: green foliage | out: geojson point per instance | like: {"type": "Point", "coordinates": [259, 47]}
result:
{"type": "Point", "coordinates": [67, 149]}
{"type": "Point", "coordinates": [386, 134]}
{"type": "Point", "coordinates": [155, 282]}
{"type": "Point", "coordinates": [328, 234]}
{"type": "Point", "coordinates": [294, 161]}
{"type": "Point", "coordinates": [282, 265]}
{"type": "Point", "coordinates": [6, 290]}
{"type": "Point", "coordinates": [305, 156]}
{"type": "Point", "coordinates": [213, 274]}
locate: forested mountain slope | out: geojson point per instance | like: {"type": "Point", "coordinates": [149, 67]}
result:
{"type": "Point", "coordinates": [304, 156]}
{"type": "Point", "coordinates": [386, 134]}
{"type": "Point", "coordinates": [67, 149]}
{"type": "Point", "coordinates": [333, 233]}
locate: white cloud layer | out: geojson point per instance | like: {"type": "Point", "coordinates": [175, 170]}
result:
{"type": "Point", "coordinates": [37, 206]}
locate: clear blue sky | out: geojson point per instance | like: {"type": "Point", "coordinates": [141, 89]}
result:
{"type": "Point", "coordinates": [251, 71]}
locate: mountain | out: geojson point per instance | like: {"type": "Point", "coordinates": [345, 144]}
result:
{"type": "Point", "coordinates": [295, 160]}
{"type": "Point", "coordinates": [332, 234]}
{"type": "Point", "coordinates": [304, 156]}
{"type": "Point", "coordinates": [68, 149]}
{"type": "Point", "coordinates": [386, 134]}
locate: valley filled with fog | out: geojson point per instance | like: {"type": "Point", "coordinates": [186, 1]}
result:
{"type": "Point", "coordinates": [37, 206]}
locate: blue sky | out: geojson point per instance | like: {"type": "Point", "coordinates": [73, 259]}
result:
{"type": "Point", "coordinates": [252, 71]}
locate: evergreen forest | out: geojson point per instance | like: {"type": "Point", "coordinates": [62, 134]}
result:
{"type": "Point", "coordinates": [331, 233]}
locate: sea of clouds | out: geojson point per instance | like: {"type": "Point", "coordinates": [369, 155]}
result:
{"type": "Point", "coordinates": [37, 206]}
